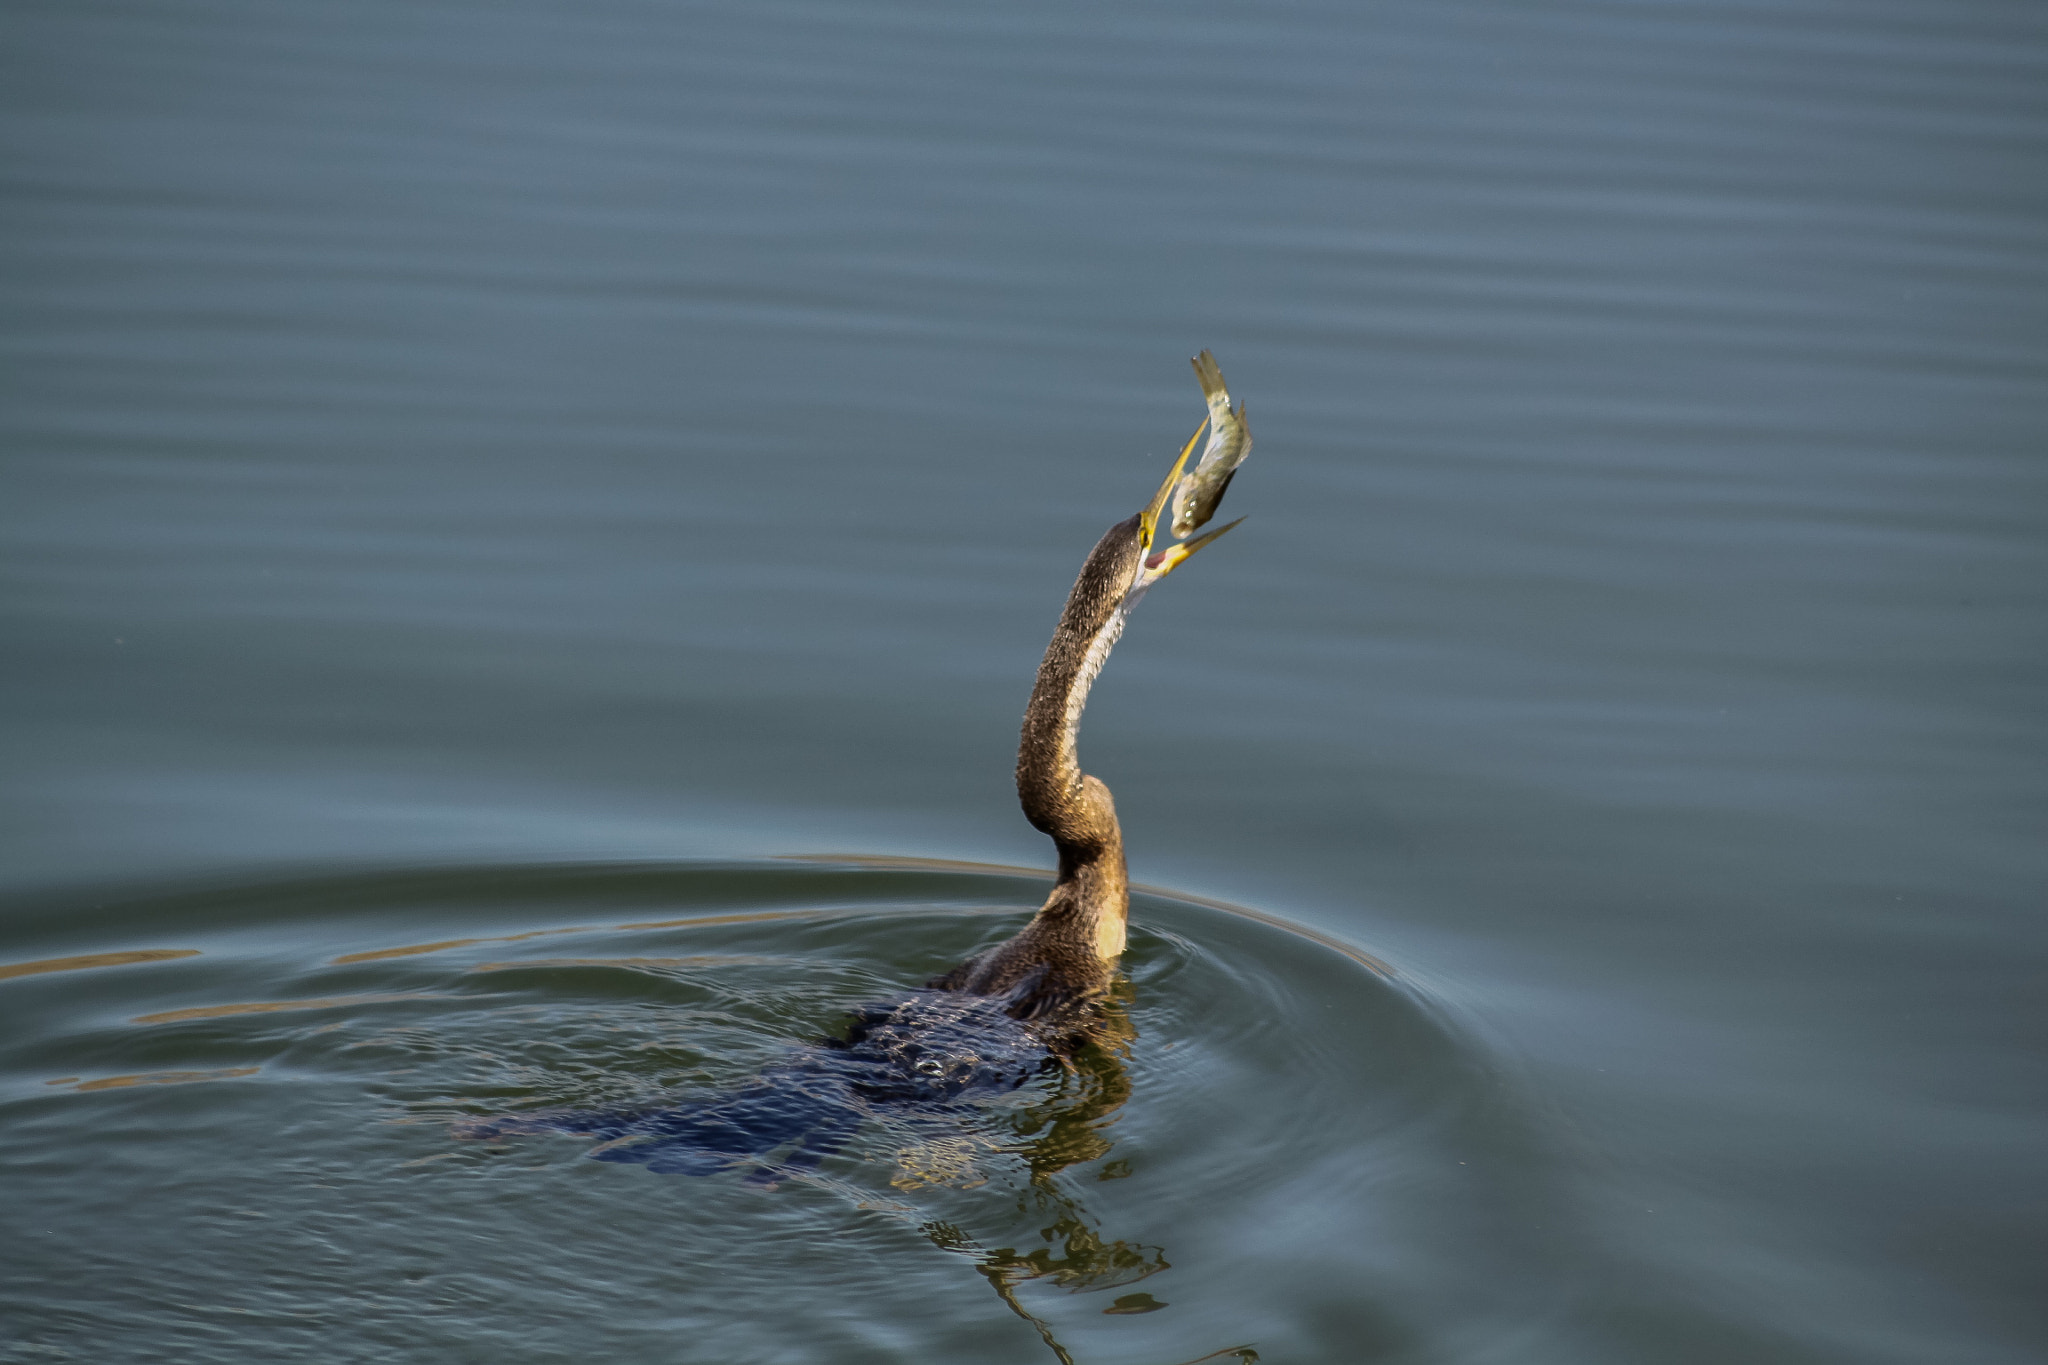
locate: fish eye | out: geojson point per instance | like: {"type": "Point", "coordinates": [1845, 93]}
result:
{"type": "Point", "coordinates": [929, 1067]}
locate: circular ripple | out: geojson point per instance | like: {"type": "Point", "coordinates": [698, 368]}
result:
{"type": "Point", "coordinates": [242, 1134]}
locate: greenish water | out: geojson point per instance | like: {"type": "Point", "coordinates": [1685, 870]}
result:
{"type": "Point", "coordinates": [469, 470]}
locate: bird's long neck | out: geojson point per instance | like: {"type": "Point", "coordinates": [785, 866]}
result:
{"type": "Point", "coordinates": [1091, 899]}
{"type": "Point", "coordinates": [1050, 783]}
{"type": "Point", "coordinates": [1058, 966]}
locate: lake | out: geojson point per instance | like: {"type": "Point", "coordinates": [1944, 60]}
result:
{"type": "Point", "coordinates": [528, 530]}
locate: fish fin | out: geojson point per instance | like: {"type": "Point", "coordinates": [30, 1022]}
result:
{"type": "Point", "coordinates": [1209, 374]}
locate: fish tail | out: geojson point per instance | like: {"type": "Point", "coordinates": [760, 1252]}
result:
{"type": "Point", "coordinates": [1211, 377]}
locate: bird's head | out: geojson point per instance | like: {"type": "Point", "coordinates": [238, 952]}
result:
{"type": "Point", "coordinates": [1123, 565]}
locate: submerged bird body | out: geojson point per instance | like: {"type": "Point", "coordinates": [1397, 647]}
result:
{"type": "Point", "coordinates": [996, 1020]}
{"type": "Point", "coordinates": [919, 1055]}
{"type": "Point", "coordinates": [1230, 440]}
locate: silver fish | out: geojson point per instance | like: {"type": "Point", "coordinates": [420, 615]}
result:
{"type": "Point", "coordinates": [1230, 440]}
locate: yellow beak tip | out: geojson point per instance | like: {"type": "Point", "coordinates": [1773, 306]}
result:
{"type": "Point", "coordinates": [1173, 556]}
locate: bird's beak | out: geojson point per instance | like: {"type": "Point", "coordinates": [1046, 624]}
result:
{"type": "Point", "coordinates": [1167, 560]}
{"type": "Point", "coordinates": [1148, 520]}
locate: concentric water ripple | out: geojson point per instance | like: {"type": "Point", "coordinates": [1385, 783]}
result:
{"type": "Point", "coordinates": [232, 1117]}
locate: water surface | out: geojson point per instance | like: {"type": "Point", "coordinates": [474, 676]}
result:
{"type": "Point", "coordinates": [456, 441]}
{"type": "Point", "coordinates": [1288, 1142]}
